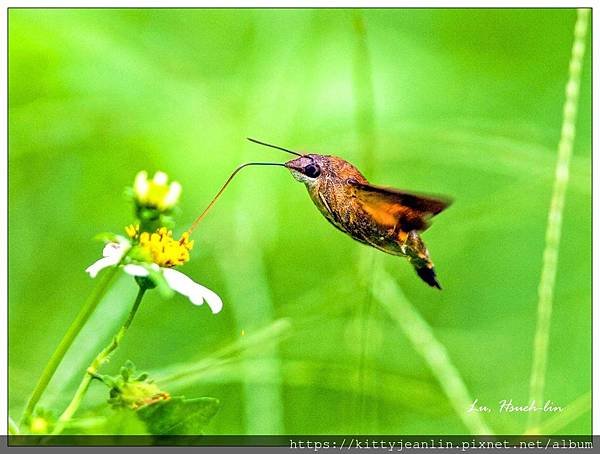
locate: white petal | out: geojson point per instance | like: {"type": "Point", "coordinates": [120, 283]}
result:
{"type": "Point", "coordinates": [113, 250]}
{"type": "Point", "coordinates": [160, 178]}
{"type": "Point", "coordinates": [112, 255]}
{"type": "Point", "coordinates": [140, 185]}
{"type": "Point", "coordinates": [173, 195]}
{"type": "Point", "coordinates": [116, 249]}
{"type": "Point", "coordinates": [110, 250]}
{"type": "Point", "coordinates": [99, 265]}
{"type": "Point", "coordinates": [196, 293]}
{"type": "Point", "coordinates": [135, 270]}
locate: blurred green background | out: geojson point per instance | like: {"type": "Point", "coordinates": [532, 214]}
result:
{"type": "Point", "coordinates": [466, 103]}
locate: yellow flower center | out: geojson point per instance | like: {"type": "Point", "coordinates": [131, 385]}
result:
{"type": "Point", "coordinates": [161, 247]}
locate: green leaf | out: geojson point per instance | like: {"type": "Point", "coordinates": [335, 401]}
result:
{"type": "Point", "coordinates": [142, 377]}
{"type": "Point", "coordinates": [128, 370]}
{"type": "Point", "coordinates": [109, 381]}
{"type": "Point", "coordinates": [179, 415]}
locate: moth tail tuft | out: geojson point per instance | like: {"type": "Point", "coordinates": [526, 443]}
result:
{"type": "Point", "coordinates": [428, 275]}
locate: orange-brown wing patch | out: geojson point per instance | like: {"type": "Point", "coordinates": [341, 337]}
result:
{"type": "Point", "coordinates": [393, 208]}
{"type": "Point", "coordinates": [382, 211]}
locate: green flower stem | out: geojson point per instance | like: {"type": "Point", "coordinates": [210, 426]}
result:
{"type": "Point", "coordinates": [66, 342]}
{"type": "Point", "coordinates": [98, 361]}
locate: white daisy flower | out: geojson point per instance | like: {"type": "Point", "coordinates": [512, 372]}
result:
{"type": "Point", "coordinates": [163, 253]}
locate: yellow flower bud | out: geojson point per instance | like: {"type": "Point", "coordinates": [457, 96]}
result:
{"type": "Point", "coordinates": [157, 193]}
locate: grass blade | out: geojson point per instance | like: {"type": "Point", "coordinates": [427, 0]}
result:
{"type": "Point", "coordinates": [421, 336]}
{"type": "Point", "coordinates": [554, 225]}
{"type": "Point", "coordinates": [572, 411]}
{"type": "Point", "coordinates": [364, 100]}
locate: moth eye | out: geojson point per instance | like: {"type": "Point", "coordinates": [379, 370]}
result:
{"type": "Point", "coordinates": [312, 171]}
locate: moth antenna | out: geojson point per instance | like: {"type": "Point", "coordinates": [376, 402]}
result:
{"type": "Point", "coordinates": [215, 198]}
{"type": "Point", "coordinates": [273, 146]}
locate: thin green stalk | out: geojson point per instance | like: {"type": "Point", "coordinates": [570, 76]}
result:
{"type": "Point", "coordinates": [364, 95]}
{"type": "Point", "coordinates": [368, 341]}
{"type": "Point", "coordinates": [66, 342]}
{"type": "Point", "coordinates": [263, 402]}
{"type": "Point", "coordinates": [554, 225]}
{"type": "Point", "coordinates": [421, 336]}
{"type": "Point", "coordinates": [98, 361]}
{"type": "Point", "coordinates": [365, 125]}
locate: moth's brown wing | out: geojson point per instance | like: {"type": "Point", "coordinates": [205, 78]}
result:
{"type": "Point", "coordinates": [394, 208]}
